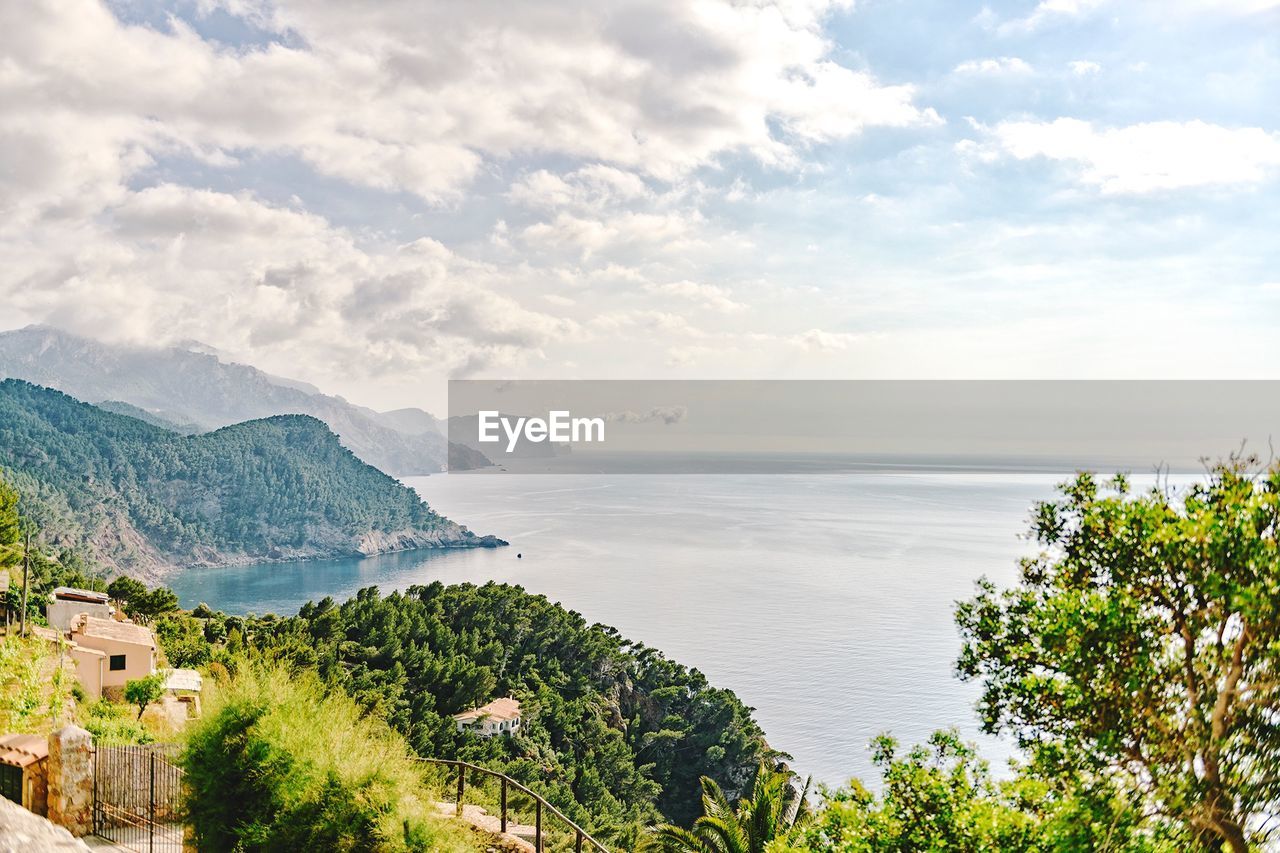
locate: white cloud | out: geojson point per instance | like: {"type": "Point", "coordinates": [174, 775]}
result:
{"type": "Point", "coordinates": [406, 98]}
{"type": "Point", "coordinates": [1143, 158]}
{"type": "Point", "coordinates": [1233, 7]}
{"type": "Point", "coordinates": [592, 187]}
{"type": "Point", "coordinates": [1084, 67]}
{"type": "Point", "coordinates": [293, 290]}
{"type": "Point", "coordinates": [588, 235]}
{"type": "Point", "coordinates": [708, 295]}
{"type": "Point", "coordinates": [997, 65]}
{"type": "Point", "coordinates": [1049, 12]}
{"type": "Point", "coordinates": [416, 98]}
{"type": "Point", "coordinates": [595, 172]}
{"type": "Point", "coordinates": [816, 340]}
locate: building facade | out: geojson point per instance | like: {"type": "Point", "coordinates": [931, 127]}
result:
{"type": "Point", "coordinates": [499, 717]}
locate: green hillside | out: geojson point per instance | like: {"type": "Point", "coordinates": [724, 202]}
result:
{"type": "Point", "coordinates": [615, 734]}
{"type": "Point", "coordinates": [139, 497]}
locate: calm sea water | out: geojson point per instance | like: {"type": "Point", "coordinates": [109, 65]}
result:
{"type": "Point", "coordinates": [825, 602]}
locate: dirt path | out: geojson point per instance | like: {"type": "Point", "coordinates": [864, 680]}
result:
{"type": "Point", "coordinates": [517, 839]}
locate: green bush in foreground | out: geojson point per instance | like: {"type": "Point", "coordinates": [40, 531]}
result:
{"type": "Point", "coordinates": [941, 796]}
{"type": "Point", "coordinates": [276, 764]}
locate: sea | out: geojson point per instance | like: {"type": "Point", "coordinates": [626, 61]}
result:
{"type": "Point", "coordinates": [824, 601]}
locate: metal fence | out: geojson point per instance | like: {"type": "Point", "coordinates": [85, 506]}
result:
{"type": "Point", "coordinates": [519, 811]}
{"type": "Point", "coordinates": [137, 798]}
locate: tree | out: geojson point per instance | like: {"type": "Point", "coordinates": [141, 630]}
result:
{"type": "Point", "coordinates": [10, 527]}
{"type": "Point", "coordinates": [183, 639]}
{"type": "Point", "coordinates": [766, 814]}
{"type": "Point", "coordinates": [153, 603]}
{"type": "Point", "coordinates": [935, 797]}
{"type": "Point", "coordinates": [940, 796]}
{"type": "Point", "coordinates": [124, 589]}
{"type": "Point", "coordinates": [143, 691]}
{"type": "Point", "coordinates": [1144, 643]}
{"type": "Point", "coordinates": [10, 542]}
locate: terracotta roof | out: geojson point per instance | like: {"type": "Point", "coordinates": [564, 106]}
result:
{"type": "Point", "coordinates": [21, 750]}
{"type": "Point", "coordinates": [499, 709]}
{"type": "Point", "coordinates": [109, 629]}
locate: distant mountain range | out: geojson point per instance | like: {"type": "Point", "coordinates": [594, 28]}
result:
{"type": "Point", "coordinates": [137, 497]}
{"type": "Point", "coordinates": [190, 388]}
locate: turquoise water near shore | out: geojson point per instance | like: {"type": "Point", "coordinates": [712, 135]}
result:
{"type": "Point", "coordinates": [825, 602]}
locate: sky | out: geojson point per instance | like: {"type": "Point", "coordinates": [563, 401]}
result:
{"type": "Point", "coordinates": [378, 195]}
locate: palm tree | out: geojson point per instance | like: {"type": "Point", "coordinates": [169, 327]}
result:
{"type": "Point", "coordinates": [768, 811]}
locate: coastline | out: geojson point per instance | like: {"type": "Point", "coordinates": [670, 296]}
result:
{"type": "Point", "coordinates": [396, 543]}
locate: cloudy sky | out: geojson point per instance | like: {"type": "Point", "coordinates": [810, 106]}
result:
{"type": "Point", "coordinates": [375, 195]}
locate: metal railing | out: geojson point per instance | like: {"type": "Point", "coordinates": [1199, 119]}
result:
{"type": "Point", "coordinates": [580, 835]}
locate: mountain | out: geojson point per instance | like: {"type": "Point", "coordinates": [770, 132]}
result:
{"type": "Point", "coordinates": [144, 499]}
{"type": "Point", "coordinates": [122, 408]}
{"type": "Point", "coordinates": [192, 384]}
{"type": "Point", "coordinates": [409, 421]}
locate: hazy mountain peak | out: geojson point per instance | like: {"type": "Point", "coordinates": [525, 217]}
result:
{"type": "Point", "coordinates": [191, 384]}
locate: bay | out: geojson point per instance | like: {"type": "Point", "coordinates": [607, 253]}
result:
{"type": "Point", "coordinates": [825, 602]}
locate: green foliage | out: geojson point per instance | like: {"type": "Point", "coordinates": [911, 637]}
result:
{"type": "Point", "coordinates": [143, 691]}
{"type": "Point", "coordinates": [33, 688]}
{"type": "Point", "coordinates": [125, 589]}
{"type": "Point", "coordinates": [262, 489]}
{"type": "Point", "coordinates": [615, 734]}
{"type": "Point", "coordinates": [279, 763]}
{"type": "Point", "coordinates": [112, 724]}
{"type": "Point", "coordinates": [940, 797]}
{"type": "Point", "coordinates": [1144, 642]}
{"type": "Point", "coordinates": [769, 812]}
{"type": "Point", "coordinates": [152, 603]}
{"type": "Point", "coordinates": [183, 640]}
{"type": "Point", "coordinates": [10, 527]}
{"type": "Point", "coordinates": [49, 568]}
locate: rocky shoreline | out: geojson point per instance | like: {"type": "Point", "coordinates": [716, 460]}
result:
{"type": "Point", "coordinates": [371, 544]}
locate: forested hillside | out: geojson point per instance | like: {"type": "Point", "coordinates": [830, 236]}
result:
{"type": "Point", "coordinates": [199, 390]}
{"type": "Point", "coordinates": [615, 733]}
{"type": "Point", "coordinates": [141, 498]}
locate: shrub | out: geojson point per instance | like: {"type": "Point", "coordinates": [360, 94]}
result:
{"type": "Point", "coordinates": [112, 724]}
{"type": "Point", "coordinates": [144, 691]}
{"type": "Point", "coordinates": [276, 764]}
{"type": "Point", "coordinates": [33, 688]}
{"type": "Point", "coordinates": [183, 639]}
{"type": "Point", "coordinates": [218, 672]}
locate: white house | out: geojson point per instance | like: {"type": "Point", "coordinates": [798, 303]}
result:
{"type": "Point", "coordinates": [109, 654]}
{"type": "Point", "coordinates": [68, 602]}
{"type": "Point", "coordinates": [499, 717]}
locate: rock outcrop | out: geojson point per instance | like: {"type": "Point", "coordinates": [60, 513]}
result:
{"type": "Point", "coordinates": [24, 832]}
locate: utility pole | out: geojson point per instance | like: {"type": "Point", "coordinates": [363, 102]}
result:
{"type": "Point", "coordinates": [26, 570]}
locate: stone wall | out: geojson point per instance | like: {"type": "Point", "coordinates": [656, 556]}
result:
{"type": "Point", "coordinates": [35, 787]}
{"type": "Point", "coordinates": [70, 767]}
